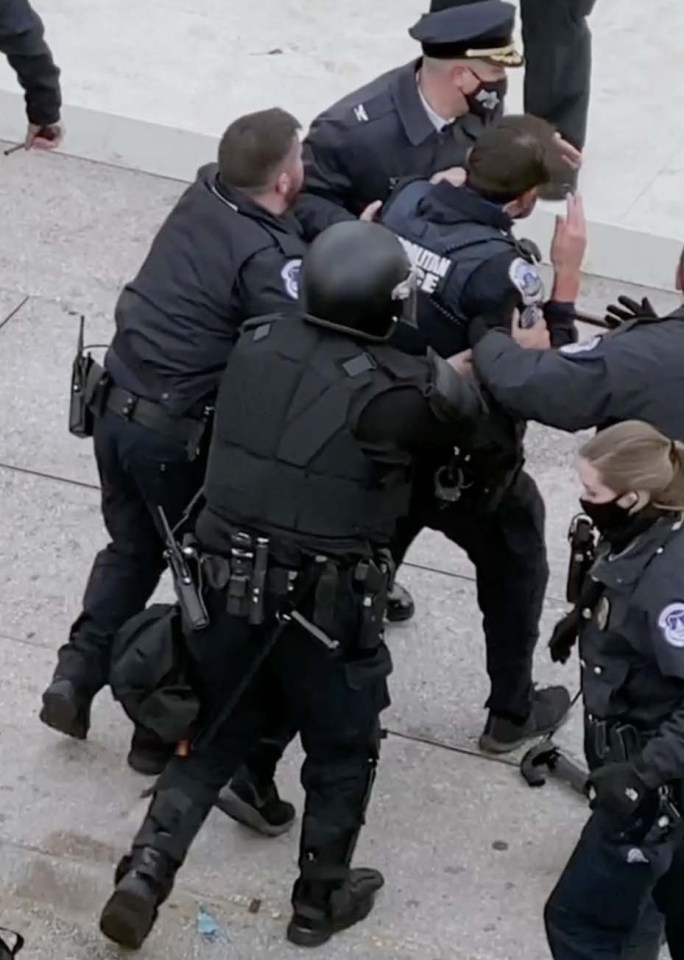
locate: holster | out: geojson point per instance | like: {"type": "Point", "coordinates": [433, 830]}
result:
{"type": "Point", "coordinates": [88, 381]}
{"type": "Point", "coordinates": [373, 580]}
{"type": "Point", "coordinates": [582, 540]}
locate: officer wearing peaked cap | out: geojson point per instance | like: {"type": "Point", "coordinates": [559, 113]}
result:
{"type": "Point", "coordinates": [414, 120]}
{"type": "Point", "coordinates": [557, 42]}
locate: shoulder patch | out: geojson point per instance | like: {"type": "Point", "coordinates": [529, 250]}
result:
{"type": "Point", "coordinates": [290, 275]}
{"type": "Point", "coordinates": [671, 623]}
{"type": "Point", "coordinates": [584, 346]}
{"type": "Point", "coordinates": [525, 277]}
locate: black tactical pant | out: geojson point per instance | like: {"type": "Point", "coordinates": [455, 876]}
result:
{"type": "Point", "coordinates": [605, 891]}
{"type": "Point", "coordinates": [508, 550]}
{"type": "Point", "coordinates": [140, 469]}
{"type": "Point", "coordinates": [334, 699]}
{"type": "Point", "coordinates": [558, 64]}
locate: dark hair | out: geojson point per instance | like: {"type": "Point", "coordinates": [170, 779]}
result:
{"type": "Point", "coordinates": [511, 157]}
{"type": "Point", "coordinates": [254, 147]}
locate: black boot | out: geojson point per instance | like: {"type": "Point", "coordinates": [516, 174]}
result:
{"type": "Point", "coordinates": [148, 754]}
{"type": "Point", "coordinates": [254, 806]}
{"type": "Point", "coordinates": [322, 910]}
{"type": "Point", "coordinates": [550, 707]}
{"type": "Point", "coordinates": [143, 882]}
{"type": "Point", "coordinates": [66, 708]}
{"type": "Point", "coordinates": [400, 605]}
{"type": "Point", "coordinates": [145, 878]}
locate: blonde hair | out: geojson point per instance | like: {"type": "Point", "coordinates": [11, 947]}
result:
{"type": "Point", "coordinates": [635, 456]}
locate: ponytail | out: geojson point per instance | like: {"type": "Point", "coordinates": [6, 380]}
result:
{"type": "Point", "coordinates": [672, 497]}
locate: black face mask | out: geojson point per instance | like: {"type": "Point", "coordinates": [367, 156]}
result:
{"type": "Point", "coordinates": [487, 97]}
{"type": "Point", "coordinates": [616, 524]}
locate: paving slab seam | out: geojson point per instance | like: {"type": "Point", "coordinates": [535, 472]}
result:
{"type": "Point", "coordinates": [49, 476]}
{"type": "Point", "coordinates": [26, 642]}
{"type": "Point", "coordinates": [13, 313]}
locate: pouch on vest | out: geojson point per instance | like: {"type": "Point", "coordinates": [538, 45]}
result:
{"type": "Point", "coordinates": [148, 674]}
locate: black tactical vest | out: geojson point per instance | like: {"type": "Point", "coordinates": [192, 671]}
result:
{"type": "Point", "coordinates": [284, 459]}
{"type": "Point", "coordinates": [440, 251]}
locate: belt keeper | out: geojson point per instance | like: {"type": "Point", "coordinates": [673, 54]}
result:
{"type": "Point", "coordinates": [129, 407]}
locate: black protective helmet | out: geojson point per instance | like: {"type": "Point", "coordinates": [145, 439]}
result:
{"type": "Point", "coordinates": [355, 276]}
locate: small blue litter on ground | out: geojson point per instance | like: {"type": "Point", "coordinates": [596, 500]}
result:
{"type": "Point", "coordinates": [207, 926]}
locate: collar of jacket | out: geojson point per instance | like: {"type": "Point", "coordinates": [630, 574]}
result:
{"type": "Point", "coordinates": [414, 119]}
{"type": "Point", "coordinates": [238, 201]}
{"type": "Point", "coordinates": [445, 203]}
{"type": "Point", "coordinates": [621, 570]}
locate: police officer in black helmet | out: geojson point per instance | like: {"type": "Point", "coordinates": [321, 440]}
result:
{"type": "Point", "coordinates": [303, 490]}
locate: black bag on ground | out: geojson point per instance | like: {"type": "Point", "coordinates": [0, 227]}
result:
{"type": "Point", "coordinates": [148, 673]}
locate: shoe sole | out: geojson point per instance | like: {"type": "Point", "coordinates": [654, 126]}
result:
{"type": "Point", "coordinates": [146, 768]}
{"type": "Point", "coordinates": [402, 616]}
{"type": "Point", "coordinates": [60, 713]}
{"type": "Point", "coordinates": [127, 919]}
{"type": "Point", "coordinates": [304, 937]}
{"type": "Point", "coordinates": [488, 744]}
{"type": "Point", "coordinates": [235, 808]}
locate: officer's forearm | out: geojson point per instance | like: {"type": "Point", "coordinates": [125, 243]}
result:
{"type": "Point", "coordinates": [662, 759]}
{"type": "Point", "coordinates": [315, 213]}
{"type": "Point", "coordinates": [566, 285]}
{"type": "Point", "coordinates": [453, 397]}
{"type": "Point", "coordinates": [535, 384]}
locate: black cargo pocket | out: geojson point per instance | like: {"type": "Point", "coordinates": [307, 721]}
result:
{"type": "Point", "coordinates": [370, 668]}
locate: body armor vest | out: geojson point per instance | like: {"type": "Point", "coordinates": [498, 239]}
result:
{"type": "Point", "coordinates": [284, 457]}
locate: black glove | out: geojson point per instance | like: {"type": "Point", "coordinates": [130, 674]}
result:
{"type": "Point", "coordinates": [564, 637]}
{"type": "Point", "coordinates": [618, 789]}
{"type": "Point", "coordinates": [629, 310]}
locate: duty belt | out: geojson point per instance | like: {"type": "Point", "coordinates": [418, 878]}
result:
{"type": "Point", "coordinates": [148, 414]}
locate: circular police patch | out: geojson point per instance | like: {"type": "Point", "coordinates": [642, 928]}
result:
{"type": "Point", "coordinates": [290, 275]}
{"type": "Point", "coordinates": [671, 623]}
{"type": "Point", "coordinates": [584, 346]}
{"type": "Point", "coordinates": [525, 277]}
{"type": "Point", "coordinates": [602, 613]}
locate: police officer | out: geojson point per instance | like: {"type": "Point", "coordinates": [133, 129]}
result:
{"type": "Point", "coordinates": [414, 120]}
{"type": "Point", "coordinates": [636, 371]}
{"type": "Point", "coordinates": [557, 43]}
{"type": "Point", "coordinates": [630, 621]}
{"type": "Point", "coordinates": [228, 250]}
{"type": "Point", "coordinates": [303, 489]}
{"type": "Point", "coordinates": [469, 262]}
{"type": "Point", "coordinates": [23, 43]}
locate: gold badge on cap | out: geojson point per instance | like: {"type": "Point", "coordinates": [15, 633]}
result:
{"type": "Point", "coordinates": [602, 613]}
{"type": "Point", "coordinates": [507, 56]}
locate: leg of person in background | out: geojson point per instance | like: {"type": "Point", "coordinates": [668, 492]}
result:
{"type": "Point", "coordinates": [251, 797]}
{"type": "Point", "coordinates": [557, 43]}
